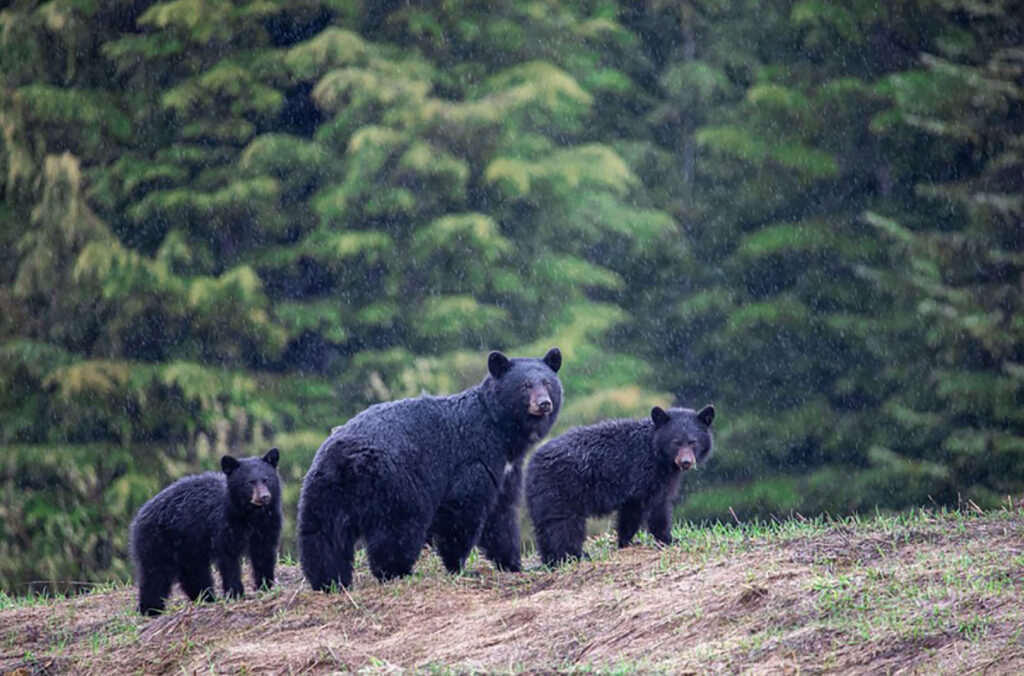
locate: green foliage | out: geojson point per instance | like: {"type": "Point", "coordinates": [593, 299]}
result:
{"type": "Point", "coordinates": [236, 224]}
{"type": "Point", "coordinates": [53, 492]}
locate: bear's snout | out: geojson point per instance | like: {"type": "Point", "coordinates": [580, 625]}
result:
{"type": "Point", "coordinates": [540, 407]}
{"type": "Point", "coordinates": [685, 458]}
{"type": "Point", "coordinates": [540, 402]}
{"type": "Point", "coordinates": [260, 495]}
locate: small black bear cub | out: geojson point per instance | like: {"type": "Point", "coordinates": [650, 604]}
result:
{"type": "Point", "coordinates": [629, 466]}
{"type": "Point", "coordinates": [208, 517]}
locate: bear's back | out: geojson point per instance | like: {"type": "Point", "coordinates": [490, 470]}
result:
{"type": "Point", "coordinates": [594, 466]}
{"type": "Point", "coordinates": [408, 427]}
{"type": "Point", "coordinates": [189, 505]}
{"type": "Point", "coordinates": [605, 442]}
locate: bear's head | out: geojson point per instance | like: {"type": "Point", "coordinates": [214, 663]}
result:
{"type": "Point", "coordinates": [252, 482]}
{"type": "Point", "coordinates": [525, 393]}
{"type": "Point", "coordinates": [682, 436]}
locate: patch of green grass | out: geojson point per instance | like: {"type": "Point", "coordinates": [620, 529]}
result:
{"type": "Point", "coordinates": [705, 541]}
{"type": "Point", "coordinates": [58, 628]}
{"type": "Point", "coordinates": [27, 601]}
{"type": "Point", "coordinates": [601, 547]}
{"type": "Point", "coordinates": [120, 629]}
{"type": "Point", "coordinates": [622, 668]}
{"type": "Point", "coordinates": [973, 628]}
{"type": "Point", "coordinates": [715, 539]}
{"type": "Point", "coordinates": [381, 664]}
{"type": "Point", "coordinates": [439, 669]}
{"type": "Point", "coordinates": [927, 594]}
{"type": "Point", "coordinates": [46, 598]}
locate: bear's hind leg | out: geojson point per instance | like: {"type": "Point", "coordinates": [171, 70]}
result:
{"type": "Point", "coordinates": [629, 518]}
{"type": "Point", "coordinates": [197, 582]}
{"type": "Point", "coordinates": [561, 540]}
{"type": "Point", "coordinates": [392, 551]}
{"type": "Point", "coordinates": [327, 563]}
{"type": "Point", "coordinates": [326, 547]}
{"type": "Point", "coordinates": [154, 587]}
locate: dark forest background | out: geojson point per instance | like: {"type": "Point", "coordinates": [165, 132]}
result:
{"type": "Point", "coordinates": [230, 224]}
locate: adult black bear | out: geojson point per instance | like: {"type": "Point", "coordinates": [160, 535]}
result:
{"type": "Point", "coordinates": [208, 517]}
{"type": "Point", "coordinates": [629, 466]}
{"type": "Point", "coordinates": [431, 466]}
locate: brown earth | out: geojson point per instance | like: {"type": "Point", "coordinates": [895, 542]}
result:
{"type": "Point", "coordinates": [932, 594]}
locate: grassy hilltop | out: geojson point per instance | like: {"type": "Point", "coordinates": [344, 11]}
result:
{"type": "Point", "coordinates": [930, 592]}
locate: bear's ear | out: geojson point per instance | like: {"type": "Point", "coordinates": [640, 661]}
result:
{"type": "Point", "coordinates": [706, 415]}
{"type": "Point", "coordinates": [229, 464]}
{"type": "Point", "coordinates": [553, 359]}
{"type": "Point", "coordinates": [498, 364]}
{"type": "Point", "coordinates": [659, 416]}
{"type": "Point", "coordinates": [272, 456]}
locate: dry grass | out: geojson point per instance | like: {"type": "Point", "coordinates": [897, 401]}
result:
{"type": "Point", "coordinates": [925, 593]}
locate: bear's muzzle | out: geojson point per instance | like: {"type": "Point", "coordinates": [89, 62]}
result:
{"type": "Point", "coordinates": [540, 402]}
{"type": "Point", "coordinates": [685, 457]}
{"type": "Point", "coordinates": [260, 495]}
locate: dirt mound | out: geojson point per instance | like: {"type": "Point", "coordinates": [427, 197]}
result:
{"type": "Point", "coordinates": [931, 593]}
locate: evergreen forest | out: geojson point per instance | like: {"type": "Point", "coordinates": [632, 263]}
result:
{"type": "Point", "coordinates": [231, 224]}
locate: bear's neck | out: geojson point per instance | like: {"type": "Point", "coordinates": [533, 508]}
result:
{"type": "Point", "coordinates": [239, 515]}
{"type": "Point", "coordinates": [664, 465]}
{"type": "Point", "coordinates": [236, 514]}
{"type": "Point", "coordinates": [514, 435]}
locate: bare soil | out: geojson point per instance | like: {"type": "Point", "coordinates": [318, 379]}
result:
{"type": "Point", "coordinates": [931, 594]}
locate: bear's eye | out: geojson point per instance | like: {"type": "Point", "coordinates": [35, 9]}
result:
{"type": "Point", "coordinates": [527, 385]}
{"type": "Point", "coordinates": [546, 383]}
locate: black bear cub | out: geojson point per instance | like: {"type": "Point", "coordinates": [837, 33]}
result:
{"type": "Point", "coordinates": [204, 518]}
{"type": "Point", "coordinates": [629, 466]}
{"type": "Point", "coordinates": [439, 469]}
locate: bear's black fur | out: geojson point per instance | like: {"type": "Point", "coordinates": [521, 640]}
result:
{"type": "Point", "coordinates": [208, 517]}
{"type": "Point", "coordinates": [629, 466]}
{"type": "Point", "coordinates": [500, 537]}
{"type": "Point", "coordinates": [430, 467]}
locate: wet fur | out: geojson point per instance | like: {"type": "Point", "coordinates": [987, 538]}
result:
{"type": "Point", "coordinates": [403, 472]}
{"type": "Point", "coordinates": [624, 466]}
{"type": "Point", "coordinates": [203, 519]}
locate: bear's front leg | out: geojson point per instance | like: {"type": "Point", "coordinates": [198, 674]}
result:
{"type": "Point", "coordinates": [500, 540]}
{"type": "Point", "coordinates": [263, 556]}
{"type": "Point", "coordinates": [460, 517]}
{"type": "Point", "coordinates": [630, 515]}
{"type": "Point", "coordinates": [230, 568]}
{"type": "Point", "coordinates": [659, 521]}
